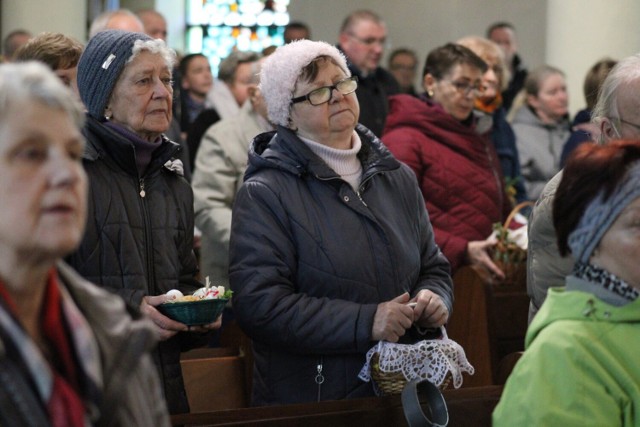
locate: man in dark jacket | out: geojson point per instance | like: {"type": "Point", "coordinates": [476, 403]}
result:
{"type": "Point", "coordinates": [363, 36]}
{"type": "Point", "coordinates": [504, 35]}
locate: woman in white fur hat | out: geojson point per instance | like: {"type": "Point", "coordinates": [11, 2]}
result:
{"type": "Point", "coordinates": [330, 238]}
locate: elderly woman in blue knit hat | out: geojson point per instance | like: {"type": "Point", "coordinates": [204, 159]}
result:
{"type": "Point", "coordinates": [331, 248]}
{"type": "Point", "coordinates": [139, 236]}
{"type": "Point", "coordinates": [580, 367]}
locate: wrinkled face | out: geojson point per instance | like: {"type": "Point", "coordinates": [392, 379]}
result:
{"type": "Point", "coordinates": [43, 186]}
{"type": "Point", "coordinates": [242, 82]}
{"type": "Point", "coordinates": [334, 119]}
{"type": "Point", "coordinates": [403, 67]}
{"type": "Point", "coordinates": [456, 91]}
{"type": "Point", "coordinates": [619, 249]}
{"type": "Point", "coordinates": [627, 122]}
{"type": "Point", "coordinates": [198, 78]}
{"type": "Point", "coordinates": [551, 103]}
{"type": "Point", "coordinates": [141, 99]}
{"type": "Point", "coordinates": [69, 77]}
{"type": "Point", "coordinates": [364, 44]}
{"type": "Point", "coordinates": [506, 39]}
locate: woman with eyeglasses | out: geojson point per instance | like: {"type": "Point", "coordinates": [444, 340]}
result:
{"type": "Point", "coordinates": [541, 125]}
{"type": "Point", "coordinates": [450, 152]}
{"type": "Point", "coordinates": [330, 240]}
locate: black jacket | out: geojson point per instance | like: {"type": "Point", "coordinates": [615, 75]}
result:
{"type": "Point", "coordinates": [134, 245]}
{"type": "Point", "coordinates": [310, 260]}
{"type": "Point", "coordinates": [373, 93]}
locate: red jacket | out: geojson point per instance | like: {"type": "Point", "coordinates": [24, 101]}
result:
{"type": "Point", "coordinates": [457, 169]}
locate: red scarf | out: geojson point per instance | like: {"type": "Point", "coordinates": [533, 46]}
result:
{"type": "Point", "coordinates": [65, 406]}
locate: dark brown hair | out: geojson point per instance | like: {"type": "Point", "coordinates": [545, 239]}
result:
{"type": "Point", "coordinates": [589, 170]}
{"type": "Point", "coordinates": [310, 71]}
{"type": "Point", "coordinates": [442, 59]}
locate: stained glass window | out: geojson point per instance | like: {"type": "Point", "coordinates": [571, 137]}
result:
{"type": "Point", "coordinates": [218, 27]}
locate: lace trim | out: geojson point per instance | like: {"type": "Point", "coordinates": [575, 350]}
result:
{"type": "Point", "coordinates": [429, 360]}
{"type": "Point", "coordinates": [607, 280]}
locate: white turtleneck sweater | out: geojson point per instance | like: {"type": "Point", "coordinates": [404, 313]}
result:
{"type": "Point", "coordinates": [344, 162]}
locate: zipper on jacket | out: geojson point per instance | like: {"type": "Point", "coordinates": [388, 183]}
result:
{"type": "Point", "coordinates": [147, 237]}
{"type": "Point", "coordinates": [142, 192]}
{"type": "Point", "coordinates": [361, 199]}
{"type": "Point", "coordinates": [361, 187]}
{"type": "Point", "coordinates": [319, 378]}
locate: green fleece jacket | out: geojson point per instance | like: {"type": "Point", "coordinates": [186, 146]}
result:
{"type": "Point", "coordinates": [580, 368]}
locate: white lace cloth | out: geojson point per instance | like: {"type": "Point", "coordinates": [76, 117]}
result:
{"type": "Point", "coordinates": [429, 360]}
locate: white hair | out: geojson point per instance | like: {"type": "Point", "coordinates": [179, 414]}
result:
{"type": "Point", "coordinates": [34, 81]}
{"type": "Point", "coordinates": [156, 46]}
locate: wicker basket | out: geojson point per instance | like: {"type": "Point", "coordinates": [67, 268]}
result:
{"type": "Point", "coordinates": [393, 382]}
{"type": "Point", "coordinates": [508, 256]}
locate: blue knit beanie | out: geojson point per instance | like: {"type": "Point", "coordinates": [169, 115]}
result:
{"type": "Point", "coordinates": [100, 67]}
{"type": "Point", "coordinates": [600, 215]}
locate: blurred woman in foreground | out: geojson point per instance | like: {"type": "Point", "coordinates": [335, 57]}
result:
{"type": "Point", "coordinates": [580, 367]}
{"type": "Point", "coordinates": [70, 354]}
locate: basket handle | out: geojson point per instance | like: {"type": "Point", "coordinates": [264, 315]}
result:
{"type": "Point", "coordinates": [517, 208]}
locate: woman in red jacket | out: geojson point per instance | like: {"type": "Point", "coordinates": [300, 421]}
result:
{"type": "Point", "coordinates": [449, 150]}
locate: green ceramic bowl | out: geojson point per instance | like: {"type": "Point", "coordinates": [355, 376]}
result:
{"type": "Point", "coordinates": [194, 313]}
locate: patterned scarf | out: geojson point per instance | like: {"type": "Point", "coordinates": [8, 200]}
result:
{"type": "Point", "coordinates": [608, 281]}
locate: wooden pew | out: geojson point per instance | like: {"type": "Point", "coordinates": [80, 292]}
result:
{"type": "Point", "coordinates": [488, 321]}
{"type": "Point", "coordinates": [467, 407]}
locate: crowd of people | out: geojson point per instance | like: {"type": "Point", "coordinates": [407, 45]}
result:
{"type": "Point", "coordinates": [334, 196]}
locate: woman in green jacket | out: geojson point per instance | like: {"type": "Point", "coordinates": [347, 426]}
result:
{"type": "Point", "coordinates": [580, 367]}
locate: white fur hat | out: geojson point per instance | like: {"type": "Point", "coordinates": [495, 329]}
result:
{"type": "Point", "coordinates": [282, 68]}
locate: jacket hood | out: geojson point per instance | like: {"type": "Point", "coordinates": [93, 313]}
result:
{"type": "Point", "coordinates": [406, 111]}
{"type": "Point", "coordinates": [579, 306]}
{"type": "Point", "coordinates": [282, 149]}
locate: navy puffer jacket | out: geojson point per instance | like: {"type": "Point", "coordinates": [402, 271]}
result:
{"type": "Point", "coordinates": [310, 260]}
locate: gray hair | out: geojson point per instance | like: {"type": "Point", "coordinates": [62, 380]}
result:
{"type": "Point", "coordinates": [33, 81]}
{"type": "Point", "coordinates": [155, 46]}
{"type": "Point", "coordinates": [625, 72]}
{"type": "Point", "coordinates": [229, 65]}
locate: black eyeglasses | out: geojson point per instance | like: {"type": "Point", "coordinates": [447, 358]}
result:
{"type": "Point", "coordinates": [466, 88]}
{"type": "Point", "coordinates": [325, 93]}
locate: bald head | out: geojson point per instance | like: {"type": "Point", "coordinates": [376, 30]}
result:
{"type": "Point", "coordinates": [155, 25]}
{"type": "Point", "coordinates": [121, 19]}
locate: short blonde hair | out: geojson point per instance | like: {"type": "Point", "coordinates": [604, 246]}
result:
{"type": "Point", "coordinates": [488, 50]}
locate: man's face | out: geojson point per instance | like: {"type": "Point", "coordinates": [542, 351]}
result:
{"type": "Point", "coordinates": [363, 44]}
{"type": "Point", "coordinates": [154, 26]}
{"type": "Point", "coordinates": [242, 81]}
{"type": "Point", "coordinates": [506, 39]}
